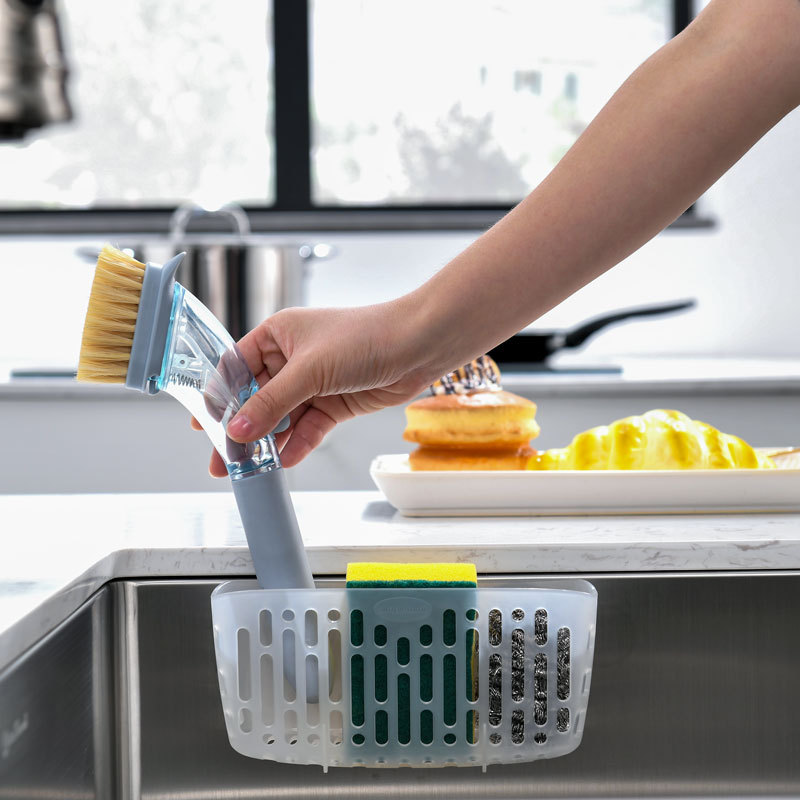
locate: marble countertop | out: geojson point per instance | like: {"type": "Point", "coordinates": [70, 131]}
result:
{"type": "Point", "coordinates": [60, 549]}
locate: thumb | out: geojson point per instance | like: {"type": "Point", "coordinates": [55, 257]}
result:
{"type": "Point", "coordinates": [270, 404]}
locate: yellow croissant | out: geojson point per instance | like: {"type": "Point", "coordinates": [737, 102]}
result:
{"type": "Point", "coordinates": [655, 440]}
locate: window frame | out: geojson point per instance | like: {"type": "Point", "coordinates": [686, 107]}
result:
{"type": "Point", "coordinates": [293, 208]}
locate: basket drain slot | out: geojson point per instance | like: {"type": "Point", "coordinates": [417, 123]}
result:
{"type": "Point", "coordinates": [540, 689]}
{"type": "Point", "coordinates": [243, 655]}
{"type": "Point", "coordinates": [449, 689]}
{"type": "Point", "coordinates": [334, 665]}
{"type": "Point", "coordinates": [563, 664]}
{"type": "Point", "coordinates": [426, 635]}
{"type": "Point", "coordinates": [518, 726]}
{"type": "Point", "coordinates": [562, 720]}
{"type": "Point", "coordinates": [357, 689]}
{"type": "Point", "coordinates": [426, 726]}
{"type": "Point", "coordinates": [473, 730]}
{"type": "Point", "coordinates": [267, 694]}
{"type": "Point", "coordinates": [311, 628]}
{"type": "Point", "coordinates": [404, 708]}
{"type": "Point", "coordinates": [356, 627]}
{"type": "Point", "coordinates": [265, 627]}
{"type": "Point", "coordinates": [449, 627]}
{"type": "Point", "coordinates": [336, 728]}
{"type": "Point", "coordinates": [495, 627]}
{"type": "Point", "coordinates": [289, 689]}
{"type": "Point", "coordinates": [381, 727]}
{"type": "Point", "coordinates": [403, 651]}
{"type": "Point", "coordinates": [312, 690]}
{"type": "Point", "coordinates": [380, 635]}
{"type": "Point", "coordinates": [426, 678]}
{"type": "Point", "coordinates": [495, 689]}
{"type": "Point", "coordinates": [517, 665]}
{"type": "Point", "coordinates": [290, 726]}
{"type": "Point", "coordinates": [540, 627]}
{"type": "Point", "coordinates": [381, 678]}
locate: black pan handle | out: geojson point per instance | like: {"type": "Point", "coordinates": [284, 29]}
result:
{"type": "Point", "coordinates": [577, 336]}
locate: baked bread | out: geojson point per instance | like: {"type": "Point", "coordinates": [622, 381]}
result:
{"type": "Point", "coordinates": [656, 440]}
{"type": "Point", "coordinates": [461, 458]}
{"type": "Point", "coordinates": [494, 420]}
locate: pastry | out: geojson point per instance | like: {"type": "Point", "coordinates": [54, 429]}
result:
{"type": "Point", "coordinates": [494, 420]}
{"type": "Point", "coordinates": [461, 458]}
{"type": "Point", "coordinates": [656, 440]}
{"type": "Point", "coordinates": [470, 423]}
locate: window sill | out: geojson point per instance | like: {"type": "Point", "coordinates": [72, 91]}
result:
{"type": "Point", "coordinates": [264, 220]}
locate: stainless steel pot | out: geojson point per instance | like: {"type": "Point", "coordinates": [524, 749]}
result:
{"type": "Point", "coordinates": [242, 277]}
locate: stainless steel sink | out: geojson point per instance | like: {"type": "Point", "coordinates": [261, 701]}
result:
{"type": "Point", "coordinates": [694, 694]}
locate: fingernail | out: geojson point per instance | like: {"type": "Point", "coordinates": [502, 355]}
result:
{"type": "Point", "coordinates": [240, 427]}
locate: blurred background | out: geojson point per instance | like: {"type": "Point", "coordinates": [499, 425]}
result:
{"type": "Point", "coordinates": [339, 152]}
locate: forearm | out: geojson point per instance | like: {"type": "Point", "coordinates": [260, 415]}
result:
{"type": "Point", "coordinates": [678, 123]}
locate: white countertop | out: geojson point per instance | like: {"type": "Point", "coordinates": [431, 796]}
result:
{"type": "Point", "coordinates": [60, 549]}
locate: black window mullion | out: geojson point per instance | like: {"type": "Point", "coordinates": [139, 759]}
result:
{"type": "Point", "coordinates": [682, 14]}
{"type": "Point", "coordinates": [291, 48]}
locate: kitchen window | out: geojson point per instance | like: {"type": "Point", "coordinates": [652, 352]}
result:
{"type": "Point", "coordinates": [462, 103]}
{"type": "Point", "coordinates": [312, 112]}
{"type": "Point", "coordinates": [172, 101]}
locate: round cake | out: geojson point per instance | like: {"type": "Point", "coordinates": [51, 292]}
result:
{"type": "Point", "coordinates": [461, 458]}
{"type": "Point", "coordinates": [495, 420]}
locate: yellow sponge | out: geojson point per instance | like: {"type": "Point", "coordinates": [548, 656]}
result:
{"type": "Point", "coordinates": [370, 574]}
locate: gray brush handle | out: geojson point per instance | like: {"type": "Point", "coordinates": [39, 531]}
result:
{"type": "Point", "coordinates": [273, 535]}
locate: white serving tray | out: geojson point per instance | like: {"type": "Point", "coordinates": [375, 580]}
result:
{"type": "Point", "coordinates": [583, 492]}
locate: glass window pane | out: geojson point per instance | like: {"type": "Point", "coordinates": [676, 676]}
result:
{"type": "Point", "coordinates": [172, 101]}
{"type": "Point", "coordinates": [462, 101]}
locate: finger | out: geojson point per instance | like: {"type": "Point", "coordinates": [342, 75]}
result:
{"type": "Point", "coordinates": [260, 350]}
{"type": "Point", "coordinates": [269, 405]}
{"type": "Point", "coordinates": [307, 433]}
{"type": "Point", "coordinates": [282, 438]}
{"type": "Point", "coordinates": [216, 467]}
{"type": "Point", "coordinates": [195, 424]}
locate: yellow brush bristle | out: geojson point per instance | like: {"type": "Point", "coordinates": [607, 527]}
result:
{"type": "Point", "coordinates": [111, 318]}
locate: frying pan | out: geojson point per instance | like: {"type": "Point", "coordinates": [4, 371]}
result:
{"type": "Point", "coordinates": [535, 347]}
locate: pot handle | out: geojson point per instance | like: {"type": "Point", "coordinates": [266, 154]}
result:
{"type": "Point", "coordinates": [186, 212]}
{"type": "Point", "coordinates": [577, 336]}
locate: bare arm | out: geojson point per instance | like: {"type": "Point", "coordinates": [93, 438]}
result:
{"type": "Point", "coordinates": [673, 128]}
{"type": "Point", "coordinates": [677, 124]}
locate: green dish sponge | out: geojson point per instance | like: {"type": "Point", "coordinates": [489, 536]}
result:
{"type": "Point", "coordinates": [370, 575]}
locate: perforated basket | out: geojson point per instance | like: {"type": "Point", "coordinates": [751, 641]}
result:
{"type": "Point", "coordinates": [404, 677]}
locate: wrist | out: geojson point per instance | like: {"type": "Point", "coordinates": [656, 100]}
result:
{"type": "Point", "coordinates": [425, 337]}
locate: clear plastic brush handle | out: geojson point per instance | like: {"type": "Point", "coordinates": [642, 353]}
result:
{"type": "Point", "coordinates": [205, 372]}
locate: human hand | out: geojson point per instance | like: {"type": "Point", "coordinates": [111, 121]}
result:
{"type": "Point", "coordinates": [323, 366]}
